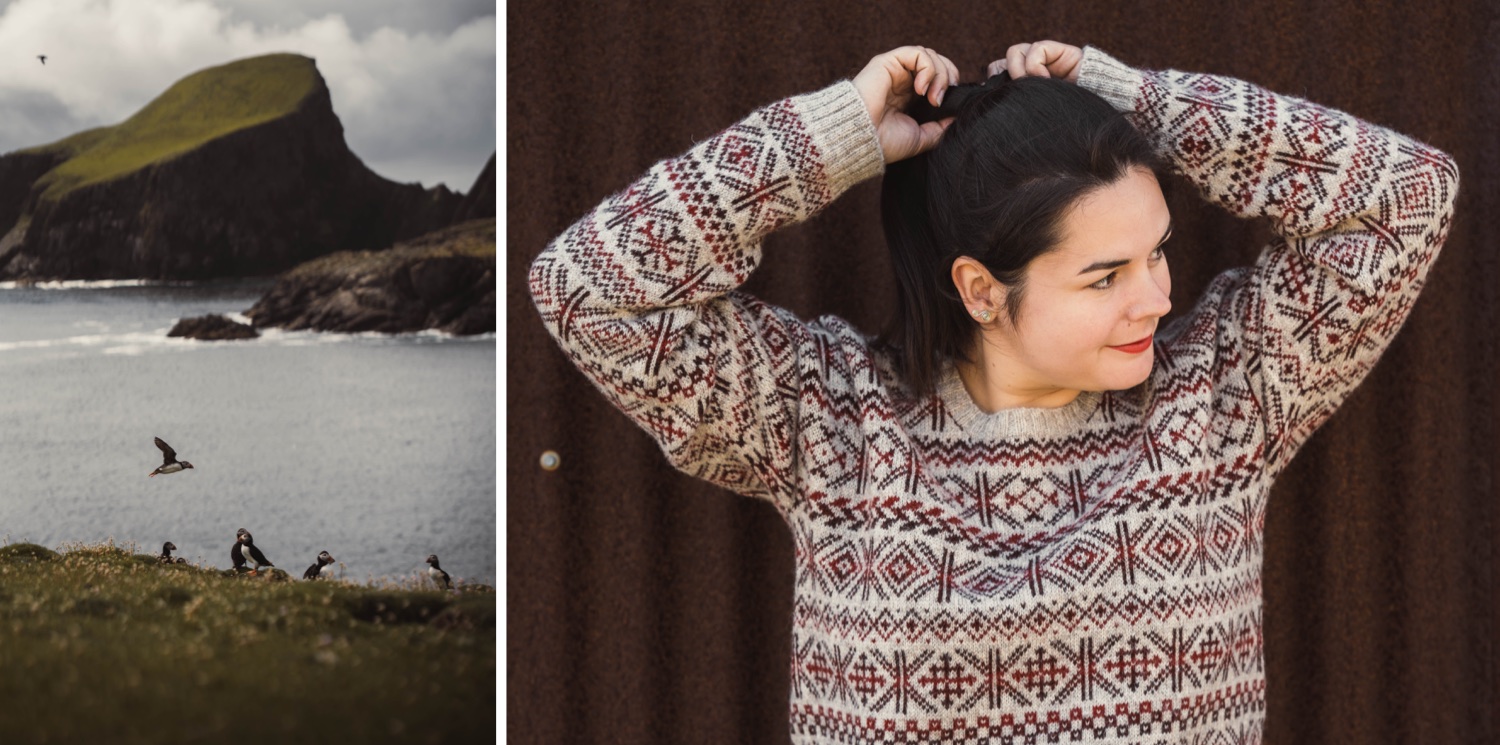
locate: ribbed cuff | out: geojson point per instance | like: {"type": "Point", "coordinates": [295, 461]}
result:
{"type": "Point", "coordinates": [1114, 81]}
{"type": "Point", "coordinates": [841, 128]}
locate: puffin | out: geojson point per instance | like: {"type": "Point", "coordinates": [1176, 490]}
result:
{"type": "Point", "coordinates": [166, 554]}
{"type": "Point", "coordinates": [321, 570]}
{"type": "Point", "coordinates": [244, 551]}
{"type": "Point", "coordinates": [169, 462]}
{"type": "Point", "coordinates": [437, 574]}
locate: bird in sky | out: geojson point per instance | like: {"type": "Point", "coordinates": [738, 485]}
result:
{"type": "Point", "coordinates": [169, 462]}
{"type": "Point", "coordinates": [43, 58]}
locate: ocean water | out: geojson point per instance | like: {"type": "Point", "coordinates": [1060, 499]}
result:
{"type": "Point", "coordinates": [378, 449]}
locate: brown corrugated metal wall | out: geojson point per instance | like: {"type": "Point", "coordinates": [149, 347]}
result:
{"type": "Point", "coordinates": [644, 606]}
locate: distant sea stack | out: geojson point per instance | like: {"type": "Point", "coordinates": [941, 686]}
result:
{"type": "Point", "coordinates": [236, 170]}
{"type": "Point", "coordinates": [443, 280]}
{"type": "Point", "coordinates": [480, 201]}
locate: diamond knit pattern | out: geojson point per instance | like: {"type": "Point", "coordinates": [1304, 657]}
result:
{"type": "Point", "coordinates": [1084, 574]}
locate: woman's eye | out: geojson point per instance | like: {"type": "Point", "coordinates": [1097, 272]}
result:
{"type": "Point", "coordinates": [1106, 283]}
{"type": "Point", "coordinates": [1158, 253]}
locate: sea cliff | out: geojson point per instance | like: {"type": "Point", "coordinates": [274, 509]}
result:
{"type": "Point", "coordinates": [237, 170]}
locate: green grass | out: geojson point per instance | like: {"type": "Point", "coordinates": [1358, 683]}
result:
{"type": "Point", "coordinates": [201, 107]}
{"type": "Point", "coordinates": [101, 644]}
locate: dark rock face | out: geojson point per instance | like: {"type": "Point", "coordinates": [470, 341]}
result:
{"type": "Point", "coordinates": [429, 283]}
{"type": "Point", "coordinates": [480, 201]}
{"type": "Point", "coordinates": [213, 327]}
{"type": "Point", "coordinates": [17, 173]}
{"type": "Point", "coordinates": [254, 202]}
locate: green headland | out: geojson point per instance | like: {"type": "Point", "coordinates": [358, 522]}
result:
{"type": "Point", "coordinates": [203, 106]}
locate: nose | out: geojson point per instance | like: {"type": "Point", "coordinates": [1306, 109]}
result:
{"type": "Point", "coordinates": [1152, 297]}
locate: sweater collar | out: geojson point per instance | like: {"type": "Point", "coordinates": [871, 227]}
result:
{"type": "Point", "coordinates": [1063, 420]}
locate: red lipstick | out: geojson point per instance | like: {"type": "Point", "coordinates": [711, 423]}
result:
{"type": "Point", "coordinates": [1135, 347]}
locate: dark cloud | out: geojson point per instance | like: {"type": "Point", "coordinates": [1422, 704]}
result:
{"type": "Point", "coordinates": [36, 118]}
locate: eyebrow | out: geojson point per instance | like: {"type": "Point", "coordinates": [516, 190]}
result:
{"type": "Point", "coordinates": [1102, 265]}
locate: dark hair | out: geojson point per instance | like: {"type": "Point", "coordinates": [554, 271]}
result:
{"type": "Point", "coordinates": [996, 188]}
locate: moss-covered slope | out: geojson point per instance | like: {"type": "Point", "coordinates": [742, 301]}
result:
{"type": "Point", "coordinates": [199, 108]}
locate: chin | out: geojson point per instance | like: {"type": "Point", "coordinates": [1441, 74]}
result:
{"type": "Point", "coordinates": [1129, 377]}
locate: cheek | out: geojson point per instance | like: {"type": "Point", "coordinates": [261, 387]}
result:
{"type": "Point", "coordinates": [1082, 328]}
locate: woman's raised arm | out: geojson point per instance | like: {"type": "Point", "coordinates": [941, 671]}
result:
{"type": "Point", "coordinates": [1361, 213]}
{"type": "Point", "coordinates": [640, 292]}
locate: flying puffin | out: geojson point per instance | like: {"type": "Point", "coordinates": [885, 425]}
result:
{"type": "Point", "coordinates": [166, 554]}
{"type": "Point", "coordinates": [169, 462]}
{"type": "Point", "coordinates": [437, 574]}
{"type": "Point", "coordinates": [321, 570]}
{"type": "Point", "coordinates": [244, 551]}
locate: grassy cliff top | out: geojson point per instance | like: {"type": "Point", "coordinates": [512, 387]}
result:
{"type": "Point", "coordinates": [201, 107]}
{"type": "Point", "coordinates": [102, 644]}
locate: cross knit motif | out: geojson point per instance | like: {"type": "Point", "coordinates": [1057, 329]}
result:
{"type": "Point", "coordinates": [1090, 573]}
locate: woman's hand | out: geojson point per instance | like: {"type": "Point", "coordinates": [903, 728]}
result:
{"type": "Point", "coordinates": [887, 85]}
{"type": "Point", "coordinates": [1043, 59]}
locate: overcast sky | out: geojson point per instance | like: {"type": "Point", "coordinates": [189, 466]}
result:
{"type": "Point", "coordinates": [413, 81]}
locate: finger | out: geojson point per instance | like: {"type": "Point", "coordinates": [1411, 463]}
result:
{"type": "Point", "coordinates": [952, 71]}
{"type": "Point", "coordinates": [936, 75]}
{"type": "Point", "coordinates": [940, 80]}
{"type": "Point", "coordinates": [920, 69]}
{"type": "Point", "coordinates": [1037, 58]}
{"type": "Point", "coordinates": [927, 65]}
{"type": "Point", "coordinates": [922, 82]}
{"type": "Point", "coordinates": [931, 134]}
{"type": "Point", "coordinates": [948, 77]}
{"type": "Point", "coordinates": [1015, 60]}
{"type": "Point", "coordinates": [994, 68]}
{"type": "Point", "coordinates": [903, 65]}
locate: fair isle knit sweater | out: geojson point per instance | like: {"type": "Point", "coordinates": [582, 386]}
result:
{"type": "Point", "coordinates": [1090, 573]}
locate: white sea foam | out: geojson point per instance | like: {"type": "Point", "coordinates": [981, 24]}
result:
{"type": "Point", "coordinates": [140, 342]}
{"type": "Point", "coordinates": [86, 284]}
{"type": "Point", "coordinates": [87, 340]}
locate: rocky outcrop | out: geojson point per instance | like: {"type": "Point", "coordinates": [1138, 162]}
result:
{"type": "Point", "coordinates": [443, 280]}
{"type": "Point", "coordinates": [242, 194]}
{"type": "Point", "coordinates": [213, 327]}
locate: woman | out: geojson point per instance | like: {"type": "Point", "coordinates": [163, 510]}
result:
{"type": "Point", "coordinates": [1030, 514]}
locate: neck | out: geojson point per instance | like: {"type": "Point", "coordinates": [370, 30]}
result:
{"type": "Point", "coordinates": [994, 385]}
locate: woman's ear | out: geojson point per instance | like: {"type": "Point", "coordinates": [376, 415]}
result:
{"type": "Point", "coordinates": [983, 297]}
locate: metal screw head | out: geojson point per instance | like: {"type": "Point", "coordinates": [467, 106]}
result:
{"type": "Point", "coordinates": [551, 460]}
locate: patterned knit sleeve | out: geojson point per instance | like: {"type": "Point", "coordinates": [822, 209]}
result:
{"type": "Point", "coordinates": [640, 292]}
{"type": "Point", "coordinates": [1360, 213]}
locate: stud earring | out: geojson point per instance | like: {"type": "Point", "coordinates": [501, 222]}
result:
{"type": "Point", "coordinates": [983, 315]}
